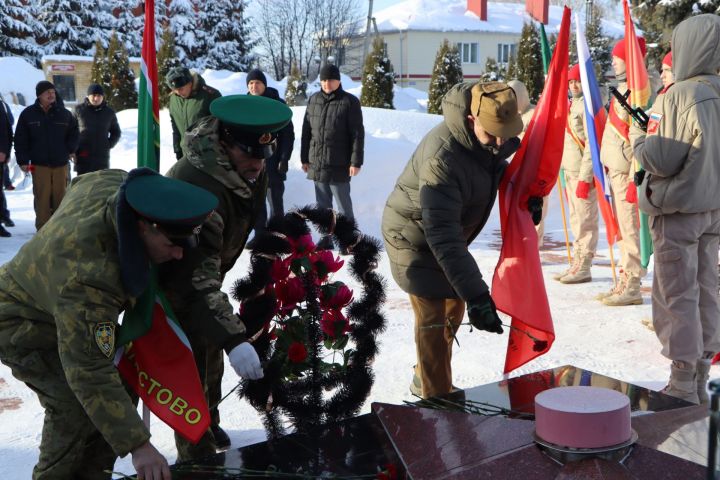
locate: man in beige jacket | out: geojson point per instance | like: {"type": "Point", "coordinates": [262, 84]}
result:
{"type": "Point", "coordinates": [581, 194]}
{"type": "Point", "coordinates": [679, 192]}
{"type": "Point", "coordinates": [616, 155]}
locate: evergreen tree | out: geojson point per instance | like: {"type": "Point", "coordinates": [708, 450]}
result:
{"type": "Point", "coordinates": [295, 93]}
{"type": "Point", "coordinates": [599, 45]}
{"type": "Point", "coordinates": [511, 71]}
{"type": "Point", "coordinates": [226, 41]}
{"type": "Point", "coordinates": [129, 27]}
{"type": "Point", "coordinates": [184, 23]}
{"type": "Point", "coordinates": [18, 30]}
{"type": "Point", "coordinates": [166, 60]}
{"type": "Point", "coordinates": [122, 93]}
{"type": "Point", "coordinates": [378, 78]}
{"type": "Point", "coordinates": [495, 72]}
{"type": "Point", "coordinates": [529, 61]}
{"type": "Point", "coordinates": [97, 22]}
{"type": "Point", "coordinates": [447, 71]}
{"type": "Point", "coordinates": [100, 73]}
{"type": "Point", "coordinates": [62, 22]}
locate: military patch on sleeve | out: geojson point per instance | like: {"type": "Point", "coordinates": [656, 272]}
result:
{"type": "Point", "coordinates": [105, 337]}
{"type": "Point", "coordinates": [653, 123]}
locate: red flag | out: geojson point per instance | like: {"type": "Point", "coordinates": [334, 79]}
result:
{"type": "Point", "coordinates": [518, 287]}
{"type": "Point", "coordinates": [159, 366]}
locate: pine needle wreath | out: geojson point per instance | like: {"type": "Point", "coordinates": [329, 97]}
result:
{"type": "Point", "coordinates": [294, 314]}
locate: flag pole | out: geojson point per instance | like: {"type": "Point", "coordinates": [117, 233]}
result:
{"type": "Point", "coordinates": [562, 210]}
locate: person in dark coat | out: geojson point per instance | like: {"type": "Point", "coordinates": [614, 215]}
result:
{"type": "Point", "coordinates": [276, 166]}
{"type": "Point", "coordinates": [6, 141]}
{"type": "Point", "coordinates": [99, 131]}
{"type": "Point", "coordinates": [45, 138]}
{"type": "Point", "coordinates": [439, 205]}
{"type": "Point", "coordinates": [333, 141]}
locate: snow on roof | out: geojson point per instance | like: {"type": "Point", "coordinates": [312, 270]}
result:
{"type": "Point", "coordinates": [453, 16]}
{"type": "Point", "coordinates": [76, 58]}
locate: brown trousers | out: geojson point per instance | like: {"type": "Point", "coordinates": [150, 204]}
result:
{"type": "Point", "coordinates": [583, 216]}
{"type": "Point", "coordinates": [629, 223]}
{"type": "Point", "coordinates": [49, 184]}
{"type": "Point", "coordinates": [434, 344]}
{"type": "Point", "coordinates": [685, 309]}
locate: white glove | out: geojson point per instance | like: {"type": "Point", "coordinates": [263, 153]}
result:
{"type": "Point", "coordinates": [244, 359]}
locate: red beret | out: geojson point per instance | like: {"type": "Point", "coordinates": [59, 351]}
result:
{"type": "Point", "coordinates": [667, 60]}
{"type": "Point", "coordinates": [619, 50]}
{"type": "Point", "coordinates": [574, 73]}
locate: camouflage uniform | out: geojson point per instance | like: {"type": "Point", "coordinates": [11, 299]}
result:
{"type": "Point", "coordinates": [60, 298]}
{"type": "Point", "coordinates": [193, 284]}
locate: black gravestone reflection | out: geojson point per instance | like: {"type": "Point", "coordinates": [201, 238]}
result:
{"type": "Point", "coordinates": [357, 446]}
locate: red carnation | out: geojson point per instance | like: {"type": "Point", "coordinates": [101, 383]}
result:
{"type": "Point", "coordinates": [297, 353]}
{"type": "Point", "coordinates": [390, 473]}
{"type": "Point", "coordinates": [290, 292]}
{"type": "Point", "coordinates": [280, 270]}
{"type": "Point", "coordinates": [326, 263]}
{"type": "Point", "coordinates": [334, 323]}
{"type": "Point", "coordinates": [302, 245]}
{"type": "Point", "coordinates": [335, 295]}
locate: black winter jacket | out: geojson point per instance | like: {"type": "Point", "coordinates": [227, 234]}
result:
{"type": "Point", "coordinates": [46, 139]}
{"type": "Point", "coordinates": [333, 136]}
{"type": "Point", "coordinates": [6, 132]}
{"type": "Point", "coordinates": [277, 165]}
{"type": "Point", "coordinates": [99, 132]}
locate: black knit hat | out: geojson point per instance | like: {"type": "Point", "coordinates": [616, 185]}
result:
{"type": "Point", "coordinates": [95, 89]}
{"type": "Point", "coordinates": [256, 74]}
{"type": "Point", "coordinates": [329, 72]}
{"type": "Point", "coordinates": [42, 87]}
{"type": "Point", "coordinates": [178, 77]}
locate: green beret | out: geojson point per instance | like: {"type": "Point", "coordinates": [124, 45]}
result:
{"type": "Point", "coordinates": [178, 208]}
{"type": "Point", "coordinates": [251, 113]}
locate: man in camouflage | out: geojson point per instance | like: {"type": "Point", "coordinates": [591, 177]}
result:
{"type": "Point", "coordinates": [60, 298]}
{"type": "Point", "coordinates": [225, 154]}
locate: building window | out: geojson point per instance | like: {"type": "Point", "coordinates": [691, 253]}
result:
{"type": "Point", "coordinates": [468, 52]}
{"type": "Point", "coordinates": [65, 87]}
{"type": "Point", "coordinates": [340, 58]}
{"type": "Point", "coordinates": [506, 51]}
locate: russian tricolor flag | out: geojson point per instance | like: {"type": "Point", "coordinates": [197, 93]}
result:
{"type": "Point", "coordinates": [596, 117]}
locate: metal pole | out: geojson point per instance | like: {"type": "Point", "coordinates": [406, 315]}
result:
{"type": "Point", "coordinates": [367, 32]}
{"type": "Point", "coordinates": [713, 429]}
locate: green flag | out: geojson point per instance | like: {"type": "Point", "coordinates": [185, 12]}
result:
{"type": "Point", "coordinates": [148, 154]}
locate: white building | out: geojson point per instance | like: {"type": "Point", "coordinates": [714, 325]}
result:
{"type": "Point", "coordinates": [413, 31]}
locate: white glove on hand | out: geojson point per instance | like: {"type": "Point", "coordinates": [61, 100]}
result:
{"type": "Point", "coordinates": [244, 359]}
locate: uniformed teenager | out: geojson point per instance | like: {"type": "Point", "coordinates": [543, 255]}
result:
{"type": "Point", "coordinates": [60, 298]}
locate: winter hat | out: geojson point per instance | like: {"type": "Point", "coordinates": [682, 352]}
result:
{"type": "Point", "coordinates": [329, 72]}
{"type": "Point", "coordinates": [619, 50]}
{"type": "Point", "coordinates": [667, 59]}
{"type": "Point", "coordinates": [256, 74]}
{"type": "Point", "coordinates": [42, 87]}
{"type": "Point", "coordinates": [495, 105]}
{"type": "Point", "coordinates": [574, 73]}
{"type": "Point", "coordinates": [178, 77]}
{"type": "Point", "coordinates": [95, 89]}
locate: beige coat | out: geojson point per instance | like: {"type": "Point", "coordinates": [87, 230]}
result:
{"type": "Point", "coordinates": [616, 153]}
{"type": "Point", "coordinates": [683, 158]}
{"type": "Point", "coordinates": [575, 159]}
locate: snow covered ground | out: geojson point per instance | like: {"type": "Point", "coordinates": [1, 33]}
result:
{"type": "Point", "coordinates": [611, 341]}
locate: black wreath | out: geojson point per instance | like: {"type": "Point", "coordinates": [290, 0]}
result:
{"type": "Point", "coordinates": [302, 400]}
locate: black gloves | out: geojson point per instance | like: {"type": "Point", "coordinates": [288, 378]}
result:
{"type": "Point", "coordinates": [534, 206]}
{"type": "Point", "coordinates": [483, 315]}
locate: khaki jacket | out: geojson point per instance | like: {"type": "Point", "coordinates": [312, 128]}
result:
{"type": "Point", "coordinates": [682, 159]}
{"type": "Point", "coordinates": [577, 159]}
{"type": "Point", "coordinates": [440, 203]}
{"type": "Point", "coordinates": [615, 152]}
{"type": "Point", "coordinates": [71, 271]}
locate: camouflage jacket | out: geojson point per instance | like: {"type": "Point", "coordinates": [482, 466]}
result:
{"type": "Point", "coordinates": [193, 284]}
{"type": "Point", "coordinates": [71, 271]}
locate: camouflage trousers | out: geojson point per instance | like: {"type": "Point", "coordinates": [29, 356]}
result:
{"type": "Point", "coordinates": [71, 447]}
{"type": "Point", "coordinates": [209, 361]}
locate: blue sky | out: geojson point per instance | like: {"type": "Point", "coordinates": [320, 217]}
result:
{"type": "Point", "coordinates": [380, 4]}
